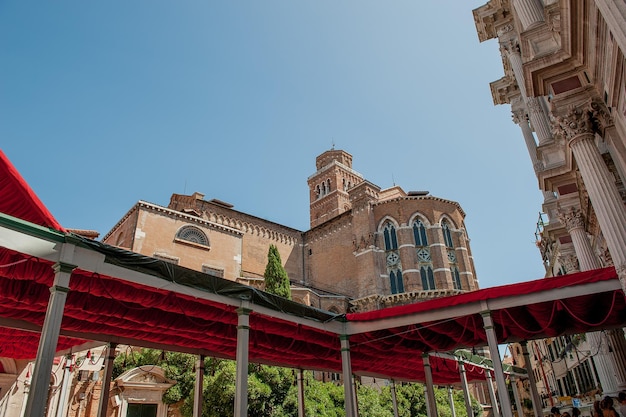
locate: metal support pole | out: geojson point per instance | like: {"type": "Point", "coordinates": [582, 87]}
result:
{"type": "Point", "coordinates": [103, 404]}
{"type": "Point", "coordinates": [503, 394]}
{"type": "Point", "coordinates": [348, 387]}
{"type": "Point", "coordinates": [431, 403]}
{"type": "Point", "coordinates": [241, 378]}
{"type": "Point", "coordinates": [394, 399]}
{"type": "Point", "coordinates": [197, 395]}
{"type": "Point", "coordinates": [301, 408]}
{"type": "Point", "coordinates": [37, 400]}
{"type": "Point", "coordinates": [466, 393]}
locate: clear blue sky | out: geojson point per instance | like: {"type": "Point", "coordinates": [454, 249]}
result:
{"type": "Point", "coordinates": [104, 103]}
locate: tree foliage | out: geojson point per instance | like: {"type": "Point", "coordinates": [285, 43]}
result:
{"type": "Point", "coordinates": [276, 279]}
{"type": "Point", "coordinates": [272, 391]}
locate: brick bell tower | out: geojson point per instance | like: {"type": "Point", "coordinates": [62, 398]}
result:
{"type": "Point", "coordinates": [329, 185]}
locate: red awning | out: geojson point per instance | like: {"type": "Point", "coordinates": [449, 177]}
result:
{"type": "Point", "coordinates": [173, 308]}
{"type": "Point", "coordinates": [19, 200]}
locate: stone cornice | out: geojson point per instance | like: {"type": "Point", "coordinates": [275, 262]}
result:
{"type": "Point", "coordinates": [334, 164]}
{"type": "Point", "coordinates": [412, 198]}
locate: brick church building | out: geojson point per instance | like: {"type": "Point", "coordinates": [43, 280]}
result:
{"type": "Point", "coordinates": [367, 247]}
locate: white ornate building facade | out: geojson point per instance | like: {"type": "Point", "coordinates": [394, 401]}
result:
{"type": "Point", "coordinates": [565, 80]}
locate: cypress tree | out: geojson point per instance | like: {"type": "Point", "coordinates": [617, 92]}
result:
{"type": "Point", "coordinates": [276, 279]}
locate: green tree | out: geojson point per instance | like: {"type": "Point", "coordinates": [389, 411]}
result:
{"type": "Point", "coordinates": [276, 279]}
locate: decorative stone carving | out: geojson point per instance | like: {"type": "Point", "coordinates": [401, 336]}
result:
{"type": "Point", "coordinates": [510, 47]}
{"type": "Point", "coordinates": [570, 263]}
{"type": "Point", "coordinates": [571, 219]}
{"type": "Point", "coordinates": [519, 116]}
{"type": "Point", "coordinates": [504, 29]}
{"type": "Point", "coordinates": [578, 120]}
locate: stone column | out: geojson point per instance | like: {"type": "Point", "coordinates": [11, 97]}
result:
{"type": "Point", "coordinates": [578, 126]}
{"type": "Point", "coordinates": [538, 117]}
{"type": "Point", "coordinates": [520, 118]}
{"type": "Point", "coordinates": [574, 223]}
{"type": "Point", "coordinates": [534, 394]}
{"type": "Point", "coordinates": [530, 12]}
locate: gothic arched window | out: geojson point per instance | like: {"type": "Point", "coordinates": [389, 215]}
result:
{"type": "Point", "coordinates": [456, 278]}
{"type": "Point", "coordinates": [389, 233]}
{"type": "Point", "coordinates": [447, 234]}
{"type": "Point", "coordinates": [419, 233]}
{"type": "Point", "coordinates": [428, 278]}
{"type": "Point", "coordinates": [395, 278]}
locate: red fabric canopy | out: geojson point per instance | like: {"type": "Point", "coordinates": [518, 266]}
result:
{"type": "Point", "coordinates": [19, 200]}
{"type": "Point", "coordinates": [387, 343]}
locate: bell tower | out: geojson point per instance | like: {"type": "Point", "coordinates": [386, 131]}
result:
{"type": "Point", "coordinates": [329, 185]}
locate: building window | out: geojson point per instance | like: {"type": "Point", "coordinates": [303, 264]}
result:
{"type": "Point", "coordinates": [428, 278]}
{"type": "Point", "coordinates": [216, 272]}
{"type": "Point", "coordinates": [456, 278]}
{"type": "Point", "coordinates": [397, 285]}
{"type": "Point", "coordinates": [389, 233]}
{"type": "Point", "coordinates": [419, 233]}
{"type": "Point", "coordinates": [192, 234]}
{"type": "Point", "coordinates": [141, 410]}
{"type": "Point", "coordinates": [167, 258]}
{"type": "Point", "coordinates": [392, 258]}
{"type": "Point", "coordinates": [447, 235]}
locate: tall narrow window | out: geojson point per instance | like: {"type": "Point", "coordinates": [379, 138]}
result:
{"type": "Point", "coordinates": [389, 232]}
{"type": "Point", "coordinates": [392, 257]}
{"type": "Point", "coordinates": [419, 233]}
{"type": "Point", "coordinates": [456, 278]}
{"type": "Point", "coordinates": [397, 285]}
{"type": "Point", "coordinates": [428, 279]}
{"type": "Point", "coordinates": [447, 235]}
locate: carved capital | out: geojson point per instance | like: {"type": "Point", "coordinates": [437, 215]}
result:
{"type": "Point", "coordinates": [519, 116]}
{"type": "Point", "coordinates": [591, 117]}
{"type": "Point", "coordinates": [570, 263]}
{"type": "Point", "coordinates": [509, 47]}
{"type": "Point", "coordinates": [576, 121]}
{"type": "Point", "coordinates": [571, 218]}
{"type": "Point", "coordinates": [504, 29]}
